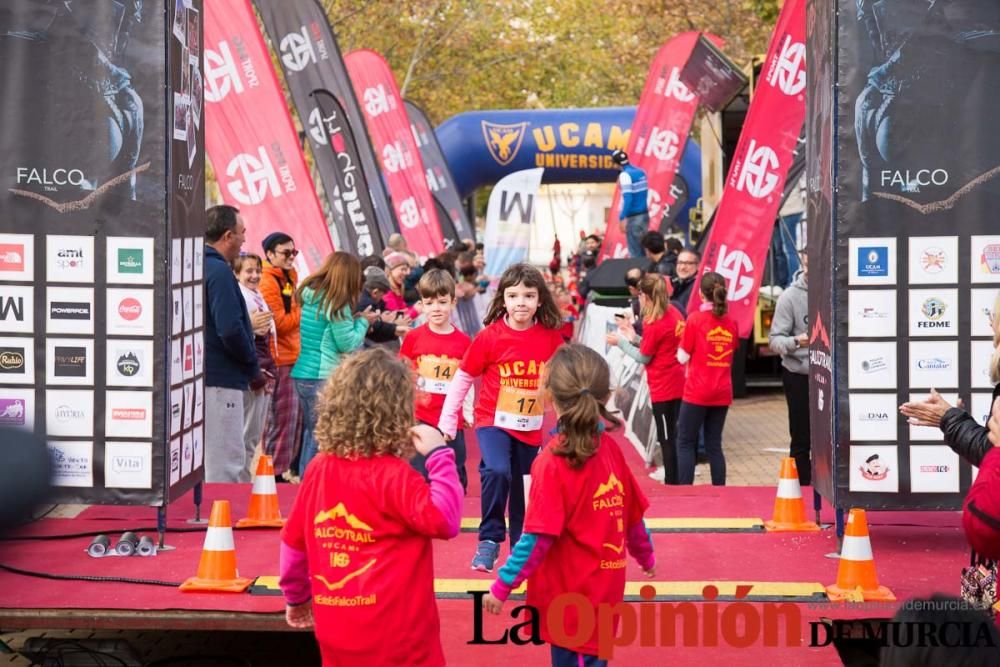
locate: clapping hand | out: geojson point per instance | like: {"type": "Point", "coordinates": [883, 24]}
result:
{"type": "Point", "coordinates": [928, 412]}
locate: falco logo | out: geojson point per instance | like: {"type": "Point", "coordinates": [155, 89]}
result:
{"type": "Point", "coordinates": [789, 71]}
{"type": "Point", "coordinates": [737, 269]}
{"type": "Point", "coordinates": [675, 88]}
{"type": "Point", "coordinates": [662, 144]}
{"type": "Point", "coordinates": [221, 74]}
{"type": "Point", "coordinates": [612, 484]}
{"type": "Point", "coordinates": [409, 213]}
{"type": "Point", "coordinates": [377, 101]}
{"type": "Point", "coordinates": [756, 175]}
{"type": "Point", "coordinates": [340, 512]}
{"type": "Point", "coordinates": [503, 141]}
{"type": "Point", "coordinates": [297, 50]}
{"type": "Point", "coordinates": [255, 178]}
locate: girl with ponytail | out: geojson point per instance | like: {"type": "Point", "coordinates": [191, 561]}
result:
{"type": "Point", "coordinates": [663, 326]}
{"type": "Point", "coordinates": [584, 506]}
{"type": "Point", "coordinates": [709, 343]}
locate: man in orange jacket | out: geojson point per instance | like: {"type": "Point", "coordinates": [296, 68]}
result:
{"type": "Point", "coordinates": [283, 435]}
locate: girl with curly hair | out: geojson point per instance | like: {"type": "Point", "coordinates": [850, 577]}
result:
{"type": "Point", "coordinates": [356, 558]}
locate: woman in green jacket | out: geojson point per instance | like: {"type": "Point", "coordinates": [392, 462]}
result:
{"type": "Point", "coordinates": [328, 331]}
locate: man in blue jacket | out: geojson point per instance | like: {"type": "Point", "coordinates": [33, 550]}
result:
{"type": "Point", "coordinates": [634, 215]}
{"type": "Point", "coordinates": [230, 357]}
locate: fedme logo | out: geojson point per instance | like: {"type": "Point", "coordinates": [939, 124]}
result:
{"type": "Point", "coordinates": [873, 261]}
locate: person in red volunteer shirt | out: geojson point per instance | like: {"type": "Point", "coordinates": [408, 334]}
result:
{"type": "Point", "coordinates": [710, 340]}
{"type": "Point", "coordinates": [585, 509]}
{"type": "Point", "coordinates": [356, 558]}
{"type": "Point", "coordinates": [435, 349]}
{"type": "Point", "coordinates": [663, 326]}
{"type": "Point", "coordinates": [521, 334]}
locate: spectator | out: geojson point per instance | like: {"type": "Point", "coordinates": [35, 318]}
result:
{"type": "Point", "coordinates": [634, 216]}
{"type": "Point", "coordinates": [789, 337]}
{"type": "Point", "coordinates": [683, 280]}
{"type": "Point", "coordinates": [372, 260]}
{"type": "Point", "coordinates": [981, 513]}
{"type": "Point", "coordinates": [662, 260]}
{"type": "Point", "coordinates": [469, 308]}
{"type": "Point", "coordinates": [329, 331]}
{"type": "Point", "coordinates": [257, 399]}
{"type": "Point", "coordinates": [397, 243]}
{"type": "Point", "coordinates": [942, 630]}
{"type": "Point", "coordinates": [397, 268]}
{"type": "Point", "coordinates": [230, 355]}
{"type": "Point", "coordinates": [391, 325]}
{"type": "Point", "coordinates": [283, 436]}
{"type": "Point", "coordinates": [632, 278]}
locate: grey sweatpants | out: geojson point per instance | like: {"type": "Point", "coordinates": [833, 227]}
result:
{"type": "Point", "coordinates": [225, 455]}
{"type": "Point", "coordinates": [255, 408]}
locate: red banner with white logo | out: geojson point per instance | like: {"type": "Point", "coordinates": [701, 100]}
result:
{"type": "Point", "coordinates": [738, 242]}
{"type": "Point", "coordinates": [251, 141]}
{"type": "Point", "coordinates": [659, 133]}
{"type": "Point", "coordinates": [389, 129]}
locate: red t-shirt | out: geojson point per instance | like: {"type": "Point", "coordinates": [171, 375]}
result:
{"type": "Point", "coordinates": [511, 363]}
{"type": "Point", "coordinates": [664, 374]}
{"type": "Point", "coordinates": [366, 526]}
{"type": "Point", "coordinates": [712, 342]}
{"type": "Point", "coordinates": [589, 511]}
{"type": "Point", "coordinates": [435, 357]}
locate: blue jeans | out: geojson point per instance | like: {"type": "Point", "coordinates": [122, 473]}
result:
{"type": "Point", "coordinates": [692, 418]}
{"type": "Point", "coordinates": [458, 446]}
{"type": "Point", "coordinates": [307, 391]}
{"type": "Point", "coordinates": [635, 227]}
{"type": "Point", "coordinates": [505, 460]}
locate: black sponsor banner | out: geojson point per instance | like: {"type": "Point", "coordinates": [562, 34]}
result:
{"type": "Point", "coordinates": [311, 61]}
{"type": "Point", "coordinates": [711, 75]}
{"type": "Point", "coordinates": [448, 232]}
{"type": "Point", "coordinates": [903, 239]}
{"type": "Point", "coordinates": [89, 171]}
{"type": "Point", "coordinates": [439, 178]}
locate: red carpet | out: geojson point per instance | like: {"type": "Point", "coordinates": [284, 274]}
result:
{"type": "Point", "coordinates": [917, 554]}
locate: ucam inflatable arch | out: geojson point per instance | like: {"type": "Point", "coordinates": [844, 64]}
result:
{"type": "Point", "coordinates": [573, 145]}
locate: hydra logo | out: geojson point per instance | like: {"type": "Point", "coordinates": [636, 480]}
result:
{"type": "Point", "coordinates": [256, 178]}
{"type": "Point", "coordinates": [789, 73]}
{"type": "Point", "coordinates": [676, 89]}
{"type": "Point", "coordinates": [757, 176]}
{"type": "Point", "coordinates": [408, 213]}
{"type": "Point", "coordinates": [503, 141]}
{"type": "Point", "coordinates": [377, 101]}
{"type": "Point", "coordinates": [663, 144]}
{"type": "Point", "coordinates": [297, 50]}
{"type": "Point", "coordinates": [221, 74]}
{"type": "Point", "coordinates": [734, 267]}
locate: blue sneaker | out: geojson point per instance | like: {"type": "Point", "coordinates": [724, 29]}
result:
{"type": "Point", "coordinates": [486, 556]}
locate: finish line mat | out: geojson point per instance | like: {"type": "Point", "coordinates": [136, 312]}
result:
{"type": "Point", "coordinates": [677, 525]}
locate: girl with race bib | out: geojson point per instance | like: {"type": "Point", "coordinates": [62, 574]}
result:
{"type": "Point", "coordinates": [510, 353]}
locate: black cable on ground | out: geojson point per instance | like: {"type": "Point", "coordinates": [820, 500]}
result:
{"type": "Point", "coordinates": [84, 577]}
{"type": "Point", "coordinates": [187, 659]}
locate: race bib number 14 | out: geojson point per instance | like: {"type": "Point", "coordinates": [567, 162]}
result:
{"type": "Point", "coordinates": [519, 409]}
{"type": "Point", "coordinates": [434, 373]}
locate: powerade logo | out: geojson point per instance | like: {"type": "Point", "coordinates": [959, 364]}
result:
{"type": "Point", "coordinates": [873, 261]}
{"type": "Point", "coordinates": [130, 260]}
{"type": "Point", "coordinates": [69, 310]}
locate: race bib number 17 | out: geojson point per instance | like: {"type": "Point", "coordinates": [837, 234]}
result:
{"type": "Point", "coordinates": [519, 409]}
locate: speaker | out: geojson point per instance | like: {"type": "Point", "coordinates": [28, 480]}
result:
{"type": "Point", "coordinates": [609, 276]}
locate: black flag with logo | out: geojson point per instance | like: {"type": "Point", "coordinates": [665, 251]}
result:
{"type": "Point", "coordinates": [439, 178]}
{"type": "Point", "coordinates": [311, 61]}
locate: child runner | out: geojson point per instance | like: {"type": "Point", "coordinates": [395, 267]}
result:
{"type": "Point", "coordinates": [710, 339]}
{"type": "Point", "coordinates": [355, 556]}
{"type": "Point", "coordinates": [436, 349]}
{"type": "Point", "coordinates": [585, 507]}
{"type": "Point", "coordinates": [521, 334]}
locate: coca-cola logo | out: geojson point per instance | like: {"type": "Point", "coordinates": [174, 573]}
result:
{"type": "Point", "coordinates": [129, 309]}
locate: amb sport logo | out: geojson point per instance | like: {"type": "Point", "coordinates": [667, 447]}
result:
{"type": "Point", "coordinates": [503, 141]}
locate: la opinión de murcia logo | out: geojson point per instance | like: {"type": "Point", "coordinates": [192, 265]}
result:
{"type": "Point", "coordinates": [674, 87]}
{"type": "Point", "coordinates": [662, 144]}
{"type": "Point", "coordinates": [255, 178]}
{"type": "Point", "coordinates": [297, 50]}
{"type": "Point", "coordinates": [737, 269]}
{"type": "Point", "coordinates": [789, 70]}
{"type": "Point", "coordinates": [756, 176]}
{"type": "Point", "coordinates": [377, 101]}
{"type": "Point", "coordinates": [222, 73]}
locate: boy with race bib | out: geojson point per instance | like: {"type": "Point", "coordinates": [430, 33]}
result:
{"type": "Point", "coordinates": [435, 349]}
{"type": "Point", "coordinates": [521, 335]}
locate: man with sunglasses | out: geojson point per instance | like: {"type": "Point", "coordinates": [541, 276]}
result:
{"type": "Point", "coordinates": [277, 285]}
{"type": "Point", "coordinates": [632, 278]}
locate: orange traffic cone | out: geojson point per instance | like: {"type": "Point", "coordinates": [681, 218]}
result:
{"type": "Point", "coordinates": [264, 509]}
{"type": "Point", "coordinates": [789, 508]}
{"type": "Point", "coordinates": [856, 579]}
{"type": "Point", "coordinates": [217, 567]}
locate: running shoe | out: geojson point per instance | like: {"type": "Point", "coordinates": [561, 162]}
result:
{"type": "Point", "coordinates": [486, 556]}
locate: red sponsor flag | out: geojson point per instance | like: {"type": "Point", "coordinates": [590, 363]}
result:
{"type": "Point", "coordinates": [251, 141]}
{"type": "Point", "coordinates": [738, 243]}
{"type": "Point", "coordinates": [398, 154]}
{"type": "Point", "coordinates": [659, 133]}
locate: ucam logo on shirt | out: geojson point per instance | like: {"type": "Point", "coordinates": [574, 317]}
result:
{"type": "Point", "coordinates": [933, 260]}
{"type": "Point", "coordinates": [933, 312]}
{"type": "Point", "coordinates": [872, 261]}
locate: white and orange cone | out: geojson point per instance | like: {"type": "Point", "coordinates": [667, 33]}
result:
{"type": "Point", "coordinates": [789, 508]}
{"type": "Point", "coordinates": [856, 578]}
{"type": "Point", "coordinates": [217, 567]}
{"type": "Point", "coordinates": [264, 510]}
